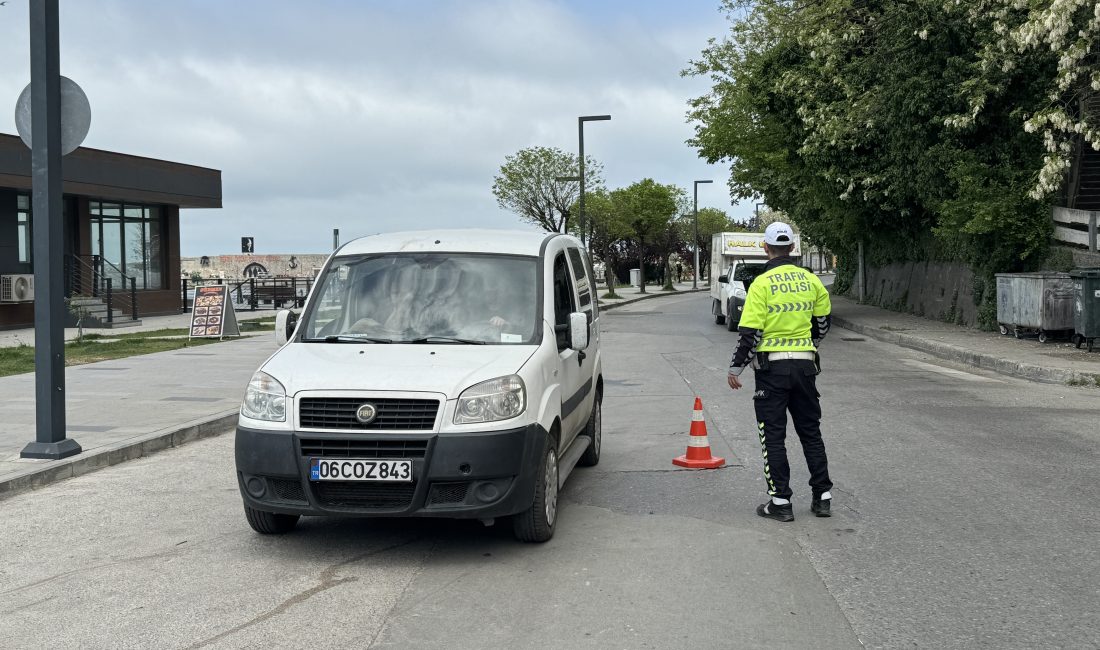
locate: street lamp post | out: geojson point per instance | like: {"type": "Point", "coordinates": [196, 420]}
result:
{"type": "Point", "coordinates": [695, 275]}
{"type": "Point", "coordinates": [756, 217]}
{"type": "Point", "coordinates": [580, 145]}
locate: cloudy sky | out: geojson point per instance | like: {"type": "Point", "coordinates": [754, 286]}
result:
{"type": "Point", "coordinates": [376, 115]}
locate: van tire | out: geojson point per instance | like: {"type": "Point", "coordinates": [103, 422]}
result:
{"type": "Point", "coordinates": [270, 523]}
{"type": "Point", "coordinates": [716, 307]}
{"type": "Point", "coordinates": [731, 325]}
{"type": "Point", "coordinates": [594, 430]}
{"type": "Point", "coordinates": [536, 524]}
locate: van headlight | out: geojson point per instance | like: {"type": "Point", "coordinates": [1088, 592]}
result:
{"type": "Point", "coordinates": [502, 398]}
{"type": "Point", "coordinates": [739, 292]}
{"type": "Point", "coordinates": [264, 399]}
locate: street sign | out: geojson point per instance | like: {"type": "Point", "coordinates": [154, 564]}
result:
{"type": "Point", "coordinates": [247, 245]}
{"type": "Point", "coordinates": [76, 116]}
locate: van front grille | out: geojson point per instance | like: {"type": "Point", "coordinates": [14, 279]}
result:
{"type": "Point", "coordinates": [370, 449]}
{"type": "Point", "coordinates": [353, 494]}
{"type": "Point", "coordinates": [391, 414]}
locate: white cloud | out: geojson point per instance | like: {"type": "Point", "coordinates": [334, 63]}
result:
{"type": "Point", "coordinates": [376, 116]}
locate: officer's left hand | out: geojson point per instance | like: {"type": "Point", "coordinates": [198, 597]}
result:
{"type": "Point", "coordinates": [734, 381]}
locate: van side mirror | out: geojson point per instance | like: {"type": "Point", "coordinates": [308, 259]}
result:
{"type": "Point", "coordinates": [286, 322]}
{"type": "Point", "coordinates": [723, 279]}
{"type": "Point", "coordinates": [578, 331]}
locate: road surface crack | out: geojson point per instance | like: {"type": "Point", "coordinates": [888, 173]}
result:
{"type": "Point", "coordinates": [328, 581]}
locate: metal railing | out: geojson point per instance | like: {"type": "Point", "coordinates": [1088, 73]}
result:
{"type": "Point", "coordinates": [253, 293]}
{"type": "Point", "coordinates": [92, 276]}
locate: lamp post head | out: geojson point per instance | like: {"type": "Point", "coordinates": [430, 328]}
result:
{"type": "Point", "coordinates": [593, 118]}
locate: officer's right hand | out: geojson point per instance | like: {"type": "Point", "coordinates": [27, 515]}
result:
{"type": "Point", "coordinates": [734, 381]}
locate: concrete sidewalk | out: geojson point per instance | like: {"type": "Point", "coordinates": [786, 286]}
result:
{"type": "Point", "coordinates": [1053, 362]}
{"type": "Point", "coordinates": [25, 336]}
{"type": "Point", "coordinates": [127, 408]}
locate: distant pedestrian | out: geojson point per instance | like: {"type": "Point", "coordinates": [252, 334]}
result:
{"type": "Point", "coordinates": [679, 271]}
{"type": "Point", "coordinates": [786, 315]}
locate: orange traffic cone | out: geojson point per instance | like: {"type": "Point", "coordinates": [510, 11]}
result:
{"type": "Point", "coordinates": [698, 451]}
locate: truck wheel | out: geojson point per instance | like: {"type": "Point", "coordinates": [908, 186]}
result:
{"type": "Point", "coordinates": [1043, 336]}
{"type": "Point", "coordinates": [1078, 340]}
{"type": "Point", "coordinates": [269, 523]}
{"type": "Point", "coordinates": [594, 430]}
{"type": "Point", "coordinates": [731, 325]}
{"type": "Point", "coordinates": [1003, 330]}
{"type": "Point", "coordinates": [536, 524]}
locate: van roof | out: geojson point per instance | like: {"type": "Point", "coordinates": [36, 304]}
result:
{"type": "Point", "coordinates": [503, 242]}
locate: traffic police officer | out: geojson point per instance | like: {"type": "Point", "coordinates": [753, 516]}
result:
{"type": "Point", "coordinates": [786, 315]}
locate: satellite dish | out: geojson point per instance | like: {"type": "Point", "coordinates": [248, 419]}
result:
{"type": "Point", "coordinates": [76, 115]}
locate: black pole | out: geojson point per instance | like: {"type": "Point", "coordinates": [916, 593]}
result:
{"type": "Point", "coordinates": [695, 211]}
{"type": "Point", "coordinates": [183, 290]}
{"type": "Point", "coordinates": [580, 146]}
{"type": "Point", "coordinates": [49, 307]}
{"type": "Point", "coordinates": [110, 295]}
{"type": "Point", "coordinates": [133, 299]}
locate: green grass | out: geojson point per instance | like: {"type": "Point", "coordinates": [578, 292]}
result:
{"type": "Point", "coordinates": [123, 336]}
{"type": "Point", "coordinates": [17, 360]}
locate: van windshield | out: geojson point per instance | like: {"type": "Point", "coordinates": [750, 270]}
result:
{"type": "Point", "coordinates": [426, 298]}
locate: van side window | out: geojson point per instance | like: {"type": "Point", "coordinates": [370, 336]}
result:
{"type": "Point", "coordinates": [581, 275]}
{"type": "Point", "coordinates": [563, 301]}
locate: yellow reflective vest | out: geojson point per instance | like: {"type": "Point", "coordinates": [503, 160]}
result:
{"type": "Point", "coordinates": [782, 303]}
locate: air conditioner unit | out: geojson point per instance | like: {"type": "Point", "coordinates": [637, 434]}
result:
{"type": "Point", "coordinates": [16, 288]}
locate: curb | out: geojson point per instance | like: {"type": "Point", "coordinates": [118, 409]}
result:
{"type": "Point", "coordinates": [950, 352]}
{"type": "Point", "coordinates": [39, 475]}
{"type": "Point", "coordinates": [604, 306]}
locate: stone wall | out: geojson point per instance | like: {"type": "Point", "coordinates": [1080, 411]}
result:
{"type": "Point", "coordinates": [241, 266]}
{"type": "Point", "coordinates": [937, 290]}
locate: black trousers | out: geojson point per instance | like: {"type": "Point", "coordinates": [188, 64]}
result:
{"type": "Point", "coordinates": [784, 386]}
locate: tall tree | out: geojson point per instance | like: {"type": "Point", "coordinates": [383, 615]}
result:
{"type": "Point", "coordinates": [648, 208]}
{"type": "Point", "coordinates": [528, 185]}
{"type": "Point", "coordinates": [711, 221]}
{"type": "Point", "coordinates": [844, 114]}
{"type": "Point", "coordinates": [608, 233]}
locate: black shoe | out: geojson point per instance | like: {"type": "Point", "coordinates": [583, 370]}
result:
{"type": "Point", "coordinates": [821, 507]}
{"type": "Point", "coordinates": [770, 510]}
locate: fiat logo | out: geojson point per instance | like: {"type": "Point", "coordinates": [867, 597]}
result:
{"type": "Point", "coordinates": [366, 413]}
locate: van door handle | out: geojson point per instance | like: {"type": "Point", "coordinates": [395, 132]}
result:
{"type": "Point", "coordinates": [580, 357]}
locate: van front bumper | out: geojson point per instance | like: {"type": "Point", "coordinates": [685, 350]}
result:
{"type": "Point", "coordinates": [461, 475]}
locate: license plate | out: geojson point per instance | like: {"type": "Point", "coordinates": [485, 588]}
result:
{"type": "Point", "coordinates": [358, 469]}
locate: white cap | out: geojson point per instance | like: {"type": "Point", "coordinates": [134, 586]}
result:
{"type": "Point", "coordinates": [778, 234]}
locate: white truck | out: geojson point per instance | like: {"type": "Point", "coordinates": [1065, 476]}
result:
{"type": "Point", "coordinates": [736, 258]}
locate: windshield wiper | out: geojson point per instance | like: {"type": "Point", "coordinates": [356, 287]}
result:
{"type": "Point", "coordinates": [443, 339]}
{"type": "Point", "coordinates": [349, 338]}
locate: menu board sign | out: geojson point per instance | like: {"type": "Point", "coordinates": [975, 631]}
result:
{"type": "Point", "coordinates": [212, 314]}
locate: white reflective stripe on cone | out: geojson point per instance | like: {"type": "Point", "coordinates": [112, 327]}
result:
{"type": "Point", "coordinates": [698, 441]}
{"type": "Point", "coordinates": [697, 416]}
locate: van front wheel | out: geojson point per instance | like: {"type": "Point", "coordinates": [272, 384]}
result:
{"type": "Point", "coordinates": [269, 523]}
{"type": "Point", "coordinates": [536, 524]}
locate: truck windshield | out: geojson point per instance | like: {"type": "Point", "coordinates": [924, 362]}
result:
{"type": "Point", "coordinates": [426, 298]}
{"type": "Point", "coordinates": [747, 272]}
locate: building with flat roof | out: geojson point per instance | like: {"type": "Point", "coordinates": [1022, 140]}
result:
{"type": "Point", "coordinates": [121, 231]}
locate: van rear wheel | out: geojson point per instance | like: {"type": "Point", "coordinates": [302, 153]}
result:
{"type": "Point", "coordinates": [536, 524]}
{"type": "Point", "coordinates": [594, 430]}
{"type": "Point", "coordinates": [270, 523]}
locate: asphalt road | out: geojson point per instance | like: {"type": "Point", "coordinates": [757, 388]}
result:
{"type": "Point", "coordinates": [964, 517]}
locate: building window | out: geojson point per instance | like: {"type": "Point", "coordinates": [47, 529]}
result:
{"type": "Point", "coordinates": [129, 239]}
{"type": "Point", "coordinates": [23, 224]}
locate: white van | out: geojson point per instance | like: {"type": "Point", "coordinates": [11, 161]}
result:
{"type": "Point", "coordinates": [431, 374]}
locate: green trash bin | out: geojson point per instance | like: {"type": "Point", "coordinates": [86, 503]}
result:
{"type": "Point", "coordinates": [1086, 306]}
